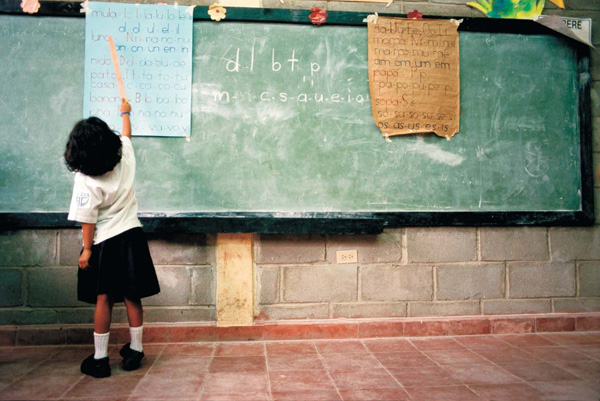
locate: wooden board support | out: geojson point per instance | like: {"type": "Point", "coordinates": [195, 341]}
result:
{"type": "Point", "coordinates": [235, 280]}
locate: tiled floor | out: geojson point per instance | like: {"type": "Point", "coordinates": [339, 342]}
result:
{"type": "Point", "coordinates": [561, 366]}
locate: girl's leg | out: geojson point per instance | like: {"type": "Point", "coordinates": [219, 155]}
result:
{"type": "Point", "coordinates": [135, 315]}
{"type": "Point", "coordinates": [102, 317]}
{"type": "Point", "coordinates": [103, 314]}
{"type": "Point", "coordinates": [135, 312]}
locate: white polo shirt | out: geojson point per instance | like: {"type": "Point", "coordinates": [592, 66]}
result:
{"type": "Point", "coordinates": [108, 200]}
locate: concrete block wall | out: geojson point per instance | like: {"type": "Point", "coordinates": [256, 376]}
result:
{"type": "Point", "coordinates": [406, 272]}
{"type": "Point", "coordinates": [403, 272]}
{"type": "Point", "coordinates": [38, 279]}
{"type": "Point", "coordinates": [416, 272]}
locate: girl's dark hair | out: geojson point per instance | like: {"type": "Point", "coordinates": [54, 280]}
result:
{"type": "Point", "coordinates": [93, 148]}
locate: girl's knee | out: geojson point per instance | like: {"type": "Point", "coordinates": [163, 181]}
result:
{"type": "Point", "coordinates": [104, 299]}
{"type": "Point", "coordinates": [133, 304]}
{"type": "Point", "coordinates": [132, 301]}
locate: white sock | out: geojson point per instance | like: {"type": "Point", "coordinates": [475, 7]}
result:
{"type": "Point", "coordinates": [136, 338]}
{"type": "Point", "coordinates": [101, 345]}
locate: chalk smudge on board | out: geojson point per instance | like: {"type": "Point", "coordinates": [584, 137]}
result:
{"type": "Point", "coordinates": [269, 114]}
{"type": "Point", "coordinates": [62, 101]}
{"type": "Point", "coordinates": [207, 105]}
{"type": "Point", "coordinates": [436, 153]}
{"type": "Point", "coordinates": [15, 116]}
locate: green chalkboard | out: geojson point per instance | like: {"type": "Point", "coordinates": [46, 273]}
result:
{"type": "Point", "coordinates": [282, 128]}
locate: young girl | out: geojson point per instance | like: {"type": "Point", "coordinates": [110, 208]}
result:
{"type": "Point", "coordinates": [115, 263]}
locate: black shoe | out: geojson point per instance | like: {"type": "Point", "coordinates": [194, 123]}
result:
{"type": "Point", "coordinates": [132, 359]}
{"type": "Point", "coordinates": [97, 368]}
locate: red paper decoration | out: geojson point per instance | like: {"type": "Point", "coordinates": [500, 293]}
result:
{"type": "Point", "coordinates": [318, 16]}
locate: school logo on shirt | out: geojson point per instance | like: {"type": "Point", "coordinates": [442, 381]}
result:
{"type": "Point", "coordinates": [82, 200]}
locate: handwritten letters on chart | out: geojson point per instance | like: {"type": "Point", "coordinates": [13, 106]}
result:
{"type": "Point", "coordinates": [414, 76]}
{"type": "Point", "coordinates": [154, 50]}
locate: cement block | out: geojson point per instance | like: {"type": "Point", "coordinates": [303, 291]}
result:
{"type": "Point", "coordinates": [203, 286]}
{"type": "Point", "coordinates": [597, 203]}
{"type": "Point", "coordinates": [291, 311]}
{"type": "Point", "coordinates": [383, 248]}
{"type": "Point", "coordinates": [519, 243]}
{"type": "Point", "coordinates": [27, 316]}
{"type": "Point", "coordinates": [435, 9]}
{"type": "Point", "coordinates": [169, 315]}
{"type": "Point", "coordinates": [70, 246]}
{"type": "Point", "coordinates": [365, 7]}
{"type": "Point", "coordinates": [589, 279]}
{"type": "Point", "coordinates": [319, 283]}
{"type": "Point", "coordinates": [596, 162]}
{"type": "Point", "coordinates": [175, 286]}
{"type": "Point", "coordinates": [441, 244]}
{"type": "Point", "coordinates": [595, 71]}
{"type": "Point", "coordinates": [581, 243]}
{"type": "Point", "coordinates": [292, 249]}
{"type": "Point", "coordinates": [574, 305]}
{"type": "Point", "coordinates": [596, 121]}
{"type": "Point", "coordinates": [396, 283]}
{"type": "Point", "coordinates": [182, 249]}
{"type": "Point", "coordinates": [119, 314]}
{"type": "Point", "coordinates": [356, 310]}
{"type": "Point", "coordinates": [582, 5]}
{"type": "Point", "coordinates": [595, 97]}
{"type": "Point", "coordinates": [479, 281]}
{"type": "Point", "coordinates": [268, 284]}
{"type": "Point", "coordinates": [11, 288]}
{"type": "Point", "coordinates": [152, 314]}
{"type": "Point", "coordinates": [28, 248]}
{"type": "Point", "coordinates": [52, 286]}
{"type": "Point", "coordinates": [462, 2]}
{"type": "Point", "coordinates": [293, 4]}
{"type": "Point", "coordinates": [460, 308]}
{"type": "Point", "coordinates": [79, 315]}
{"type": "Point", "coordinates": [541, 279]}
{"type": "Point", "coordinates": [508, 306]}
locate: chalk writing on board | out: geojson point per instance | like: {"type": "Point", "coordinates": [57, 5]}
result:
{"type": "Point", "coordinates": [414, 76]}
{"type": "Point", "coordinates": [223, 96]}
{"type": "Point", "coordinates": [305, 69]}
{"type": "Point", "coordinates": [154, 48]}
{"type": "Point", "coordinates": [277, 62]}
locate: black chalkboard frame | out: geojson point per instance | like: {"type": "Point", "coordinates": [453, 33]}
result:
{"type": "Point", "coordinates": [334, 222]}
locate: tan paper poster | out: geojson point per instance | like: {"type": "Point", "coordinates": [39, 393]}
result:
{"type": "Point", "coordinates": [414, 76]}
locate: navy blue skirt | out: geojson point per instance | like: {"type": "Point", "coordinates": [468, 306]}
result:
{"type": "Point", "coordinates": [120, 267]}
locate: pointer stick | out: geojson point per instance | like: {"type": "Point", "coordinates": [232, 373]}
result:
{"type": "Point", "coordinates": [115, 60]}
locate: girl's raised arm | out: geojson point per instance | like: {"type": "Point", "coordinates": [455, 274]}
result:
{"type": "Point", "coordinates": [125, 110]}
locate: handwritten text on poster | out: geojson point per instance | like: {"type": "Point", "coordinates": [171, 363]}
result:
{"type": "Point", "coordinates": [154, 48]}
{"type": "Point", "coordinates": [414, 76]}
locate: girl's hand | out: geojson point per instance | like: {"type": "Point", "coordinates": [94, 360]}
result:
{"type": "Point", "coordinates": [125, 106]}
{"type": "Point", "coordinates": [84, 259]}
